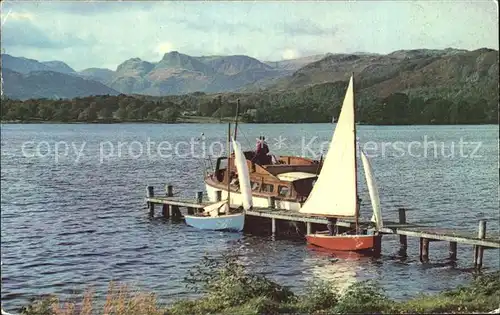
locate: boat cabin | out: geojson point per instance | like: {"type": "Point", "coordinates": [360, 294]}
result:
{"type": "Point", "coordinates": [288, 178]}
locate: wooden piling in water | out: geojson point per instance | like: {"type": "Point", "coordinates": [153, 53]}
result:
{"type": "Point", "coordinates": [453, 251]}
{"type": "Point", "coordinates": [403, 241]}
{"type": "Point", "coordinates": [377, 246]}
{"type": "Point", "coordinates": [151, 205]}
{"type": "Point", "coordinates": [199, 200]}
{"type": "Point", "coordinates": [479, 250]}
{"type": "Point", "coordinates": [170, 190]}
{"type": "Point", "coordinates": [273, 226]}
{"type": "Point", "coordinates": [218, 195]}
{"type": "Point", "coordinates": [424, 249]}
{"type": "Point", "coordinates": [176, 212]}
{"type": "Point", "coordinates": [165, 211]}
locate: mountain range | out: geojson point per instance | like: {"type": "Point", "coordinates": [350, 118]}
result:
{"type": "Point", "coordinates": [175, 73]}
{"type": "Point", "coordinates": [452, 71]}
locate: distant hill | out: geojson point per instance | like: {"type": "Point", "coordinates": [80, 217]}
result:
{"type": "Point", "coordinates": [58, 66]}
{"type": "Point", "coordinates": [49, 84]}
{"type": "Point", "coordinates": [231, 65]}
{"type": "Point", "coordinates": [97, 74]}
{"type": "Point", "coordinates": [294, 64]}
{"type": "Point", "coordinates": [451, 74]}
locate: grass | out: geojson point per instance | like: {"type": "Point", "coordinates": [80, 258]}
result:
{"type": "Point", "coordinates": [229, 289]}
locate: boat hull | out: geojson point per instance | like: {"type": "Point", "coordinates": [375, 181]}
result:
{"type": "Point", "coordinates": [258, 202]}
{"type": "Point", "coordinates": [343, 242]}
{"type": "Point", "coordinates": [230, 222]}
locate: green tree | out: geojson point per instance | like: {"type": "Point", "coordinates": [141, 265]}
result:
{"type": "Point", "coordinates": [63, 113]}
{"type": "Point", "coordinates": [170, 115]}
{"type": "Point", "coordinates": [122, 113]}
{"type": "Point", "coordinates": [105, 113]}
{"type": "Point", "coordinates": [92, 112]}
{"type": "Point", "coordinates": [46, 112]}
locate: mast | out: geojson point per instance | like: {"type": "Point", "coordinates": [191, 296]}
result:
{"type": "Point", "coordinates": [220, 108]}
{"type": "Point", "coordinates": [355, 155]}
{"type": "Point", "coordinates": [236, 119]}
{"type": "Point", "coordinates": [229, 167]}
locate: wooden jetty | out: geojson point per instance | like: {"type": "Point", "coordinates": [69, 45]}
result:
{"type": "Point", "coordinates": [171, 209]}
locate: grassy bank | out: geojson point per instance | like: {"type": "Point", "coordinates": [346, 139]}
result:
{"type": "Point", "coordinates": [229, 289]}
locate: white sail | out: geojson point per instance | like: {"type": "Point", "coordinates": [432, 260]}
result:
{"type": "Point", "coordinates": [373, 190]}
{"type": "Point", "coordinates": [334, 193]}
{"type": "Point", "coordinates": [243, 176]}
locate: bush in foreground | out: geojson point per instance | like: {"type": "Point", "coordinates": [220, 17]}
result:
{"type": "Point", "coordinates": [229, 289]}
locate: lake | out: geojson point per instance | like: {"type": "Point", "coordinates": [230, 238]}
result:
{"type": "Point", "coordinates": [73, 212]}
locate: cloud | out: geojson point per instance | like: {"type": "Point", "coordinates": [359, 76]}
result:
{"type": "Point", "coordinates": [19, 30]}
{"type": "Point", "coordinates": [215, 26]}
{"type": "Point", "coordinates": [290, 54]}
{"type": "Point", "coordinates": [87, 8]}
{"type": "Point", "coordinates": [94, 34]}
{"type": "Point", "coordinates": [26, 34]}
{"type": "Point", "coordinates": [307, 28]}
{"type": "Point", "coordinates": [164, 47]}
{"type": "Point", "coordinates": [16, 16]}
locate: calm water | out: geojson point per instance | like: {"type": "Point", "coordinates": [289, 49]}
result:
{"type": "Point", "coordinates": [77, 218]}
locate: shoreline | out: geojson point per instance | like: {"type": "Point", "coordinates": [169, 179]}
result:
{"type": "Point", "coordinates": [232, 290]}
{"type": "Point", "coordinates": [210, 121]}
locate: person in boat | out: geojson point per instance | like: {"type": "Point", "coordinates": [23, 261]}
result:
{"type": "Point", "coordinates": [332, 226]}
{"type": "Point", "coordinates": [332, 222]}
{"type": "Point", "coordinates": [261, 151]}
{"type": "Point", "coordinates": [265, 147]}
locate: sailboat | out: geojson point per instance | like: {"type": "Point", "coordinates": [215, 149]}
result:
{"type": "Point", "coordinates": [219, 216]}
{"type": "Point", "coordinates": [335, 193]}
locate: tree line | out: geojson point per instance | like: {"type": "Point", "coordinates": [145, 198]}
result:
{"type": "Point", "coordinates": [316, 104]}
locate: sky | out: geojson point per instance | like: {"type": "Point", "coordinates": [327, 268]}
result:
{"type": "Point", "coordinates": [104, 34]}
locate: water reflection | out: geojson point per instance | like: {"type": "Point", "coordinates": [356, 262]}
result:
{"type": "Point", "coordinates": [338, 267]}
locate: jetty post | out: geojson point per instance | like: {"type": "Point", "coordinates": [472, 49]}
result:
{"type": "Point", "coordinates": [199, 200]}
{"type": "Point", "coordinates": [377, 246]}
{"type": "Point", "coordinates": [453, 251]}
{"type": "Point", "coordinates": [478, 249]}
{"type": "Point", "coordinates": [424, 249]}
{"type": "Point", "coordinates": [151, 205]}
{"type": "Point", "coordinates": [273, 226]}
{"type": "Point", "coordinates": [403, 242]}
{"type": "Point", "coordinates": [166, 208]}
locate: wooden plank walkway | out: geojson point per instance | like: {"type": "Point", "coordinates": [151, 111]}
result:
{"type": "Point", "coordinates": [390, 227]}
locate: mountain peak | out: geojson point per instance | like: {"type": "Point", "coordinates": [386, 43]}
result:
{"type": "Point", "coordinates": [176, 60]}
{"type": "Point", "coordinates": [58, 66]}
{"type": "Point", "coordinates": [173, 54]}
{"type": "Point", "coordinates": [134, 67]}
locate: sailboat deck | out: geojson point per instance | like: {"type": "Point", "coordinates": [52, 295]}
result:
{"type": "Point", "coordinates": [390, 227]}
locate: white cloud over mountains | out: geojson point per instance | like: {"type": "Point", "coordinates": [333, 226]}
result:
{"type": "Point", "coordinates": [104, 34]}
